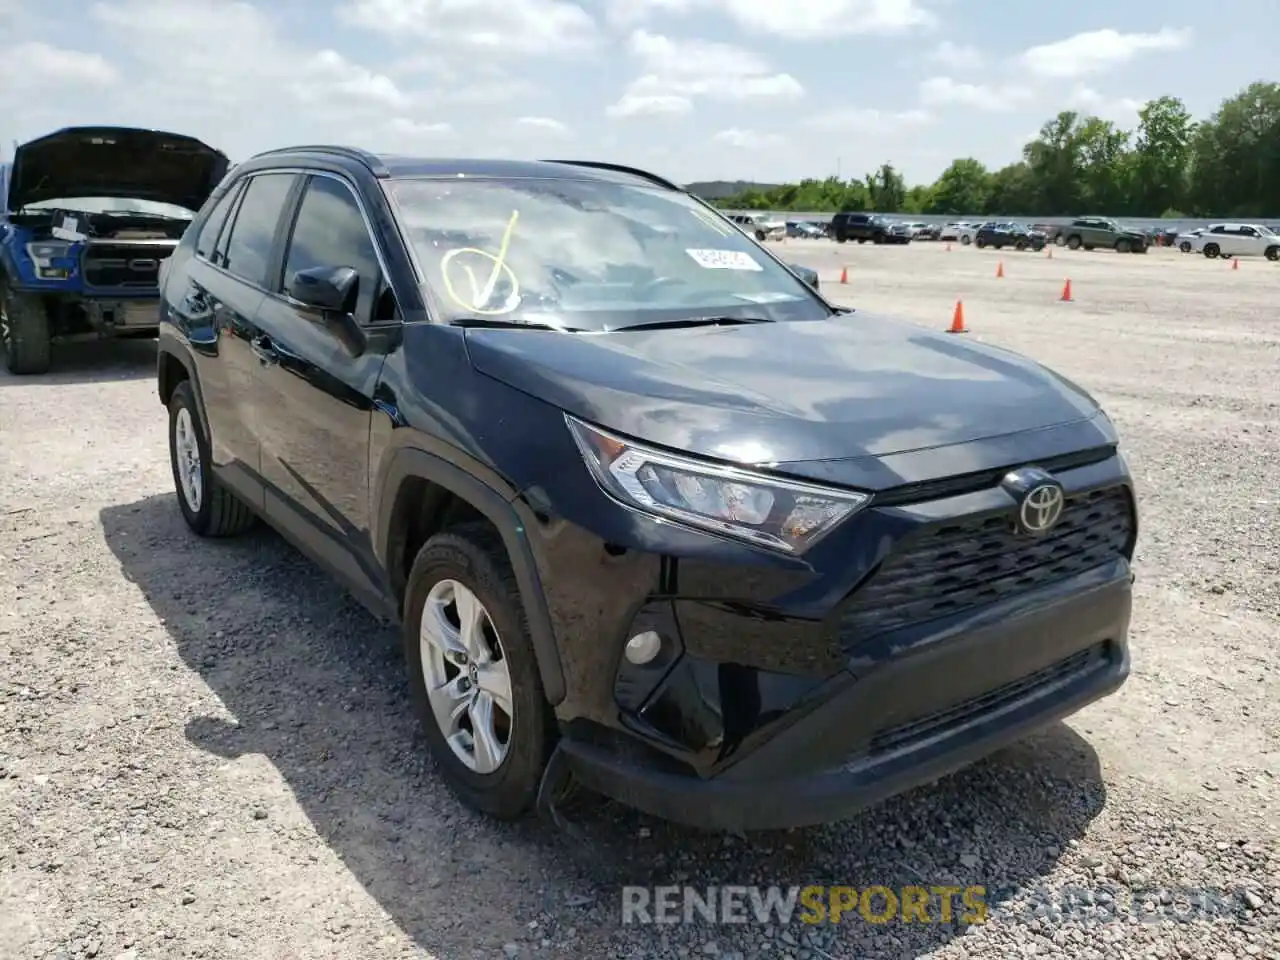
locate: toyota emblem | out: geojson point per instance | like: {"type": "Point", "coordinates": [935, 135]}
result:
{"type": "Point", "coordinates": [1040, 499]}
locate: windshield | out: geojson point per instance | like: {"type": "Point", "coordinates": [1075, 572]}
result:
{"type": "Point", "coordinates": [587, 255]}
{"type": "Point", "coordinates": [123, 205]}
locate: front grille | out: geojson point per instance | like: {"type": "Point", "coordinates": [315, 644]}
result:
{"type": "Point", "coordinates": [128, 265]}
{"type": "Point", "coordinates": [975, 562]}
{"type": "Point", "coordinates": [986, 704]}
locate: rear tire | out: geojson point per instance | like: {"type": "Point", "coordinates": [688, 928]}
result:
{"type": "Point", "coordinates": [1122, 245]}
{"type": "Point", "coordinates": [1073, 243]}
{"type": "Point", "coordinates": [1020, 245]}
{"type": "Point", "coordinates": [209, 508]}
{"type": "Point", "coordinates": [473, 556]}
{"type": "Point", "coordinates": [24, 334]}
{"type": "Point", "coordinates": [1273, 253]}
{"type": "Point", "coordinates": [1184, 246]}
{"type": "Point", "coordinates": [965, 240]}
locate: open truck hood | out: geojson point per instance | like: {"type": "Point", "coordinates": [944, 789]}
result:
{"type": "Point", "coordinates": [115, 162]}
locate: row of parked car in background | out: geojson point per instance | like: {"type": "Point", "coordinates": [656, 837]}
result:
{"type": "Point", "coordinates": [1087, 233]}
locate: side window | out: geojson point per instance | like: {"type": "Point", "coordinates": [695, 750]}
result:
{"type": "Point", "coordinates": [213, 224]}
{"type": "Point", "coordinates": [249, 250]}
{"type": "Point", "coordinates": [1218, 228]}
{"type": "Point", "coordinates": [1249, 232]}
{"type": "Point", "coordinates": [330, 232]}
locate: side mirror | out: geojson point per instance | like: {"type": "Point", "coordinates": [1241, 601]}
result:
{"type": "Point", "coordinates": [331, 290]}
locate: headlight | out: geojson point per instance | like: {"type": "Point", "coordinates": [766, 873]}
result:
{"type": "Point", "coordinates": [768, 511]}
{"type": "Point", "coordinates": [43, 254]}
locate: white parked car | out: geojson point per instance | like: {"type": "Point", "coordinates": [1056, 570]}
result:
{"type": "Point", "coordinates": [760, 226]}
{"type": "Point", "coordinates": [1238, 240]}
{"type": "Point", "coordinates": [962, 230]}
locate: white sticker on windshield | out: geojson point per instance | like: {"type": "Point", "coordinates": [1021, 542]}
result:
{"type": "Point", "coordinates": [723, 260]}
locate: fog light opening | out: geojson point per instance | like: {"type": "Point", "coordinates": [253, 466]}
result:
{"type": "Point", "coordinates": [643, 647]}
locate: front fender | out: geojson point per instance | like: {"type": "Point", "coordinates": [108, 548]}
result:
{"type": "Point", "coordinates": [511, 517]}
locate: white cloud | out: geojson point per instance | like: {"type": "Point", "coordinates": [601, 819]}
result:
{"type": "Point", "coordinates": [746, 139]}
{"type": "Point", "coordinates": [822, 19]}
{"type": "Point", "coordinates": [35, 67]}
{"type": "Point", "coordinates": [867, 120]}
{"type": "Point", "coordinates": [1118, 109]}
{"type": "Point", "coordinates": [1098, 50]}
{"type": "Point", "coordinates": [543, 125]}
{"type": "Point", "coordinates": [944, 91]}
{"type": "Point", "coordinates": [812, 20]}
{"type": "Point", "coordinates": [956, 56]}
{"type": "Point", "coordinates": [500, 26]}
{"type": "Point", "coordinates": [639, 105]}
{"type": "Point", "coordinates": [676, 72]}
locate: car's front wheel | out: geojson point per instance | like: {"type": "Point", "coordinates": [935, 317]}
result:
{"type": "Point", "coordinates": [1211, 250]}
{"type": "Point", "coordinates": [1122, 245]}
{"type": "Point", "coordinates": [25, 336]}
{"type": "Point", "coordinates": [472, 671]}
{"type": "Point", "coordinates": [209, 508]}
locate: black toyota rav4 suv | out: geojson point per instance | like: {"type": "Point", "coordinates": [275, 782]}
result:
{"type": "Point", "coordinates": [656, 518]}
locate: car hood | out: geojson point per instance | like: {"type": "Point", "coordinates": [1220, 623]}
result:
{"type": "Point", "coordinates": [857, 385]}
{"type": "Point", "coordinates": [115, 162]}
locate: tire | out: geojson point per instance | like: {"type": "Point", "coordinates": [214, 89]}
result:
{"type": "Point", "coordinates": [1073, 242]}
{"type": "Point", "coordinates": [878, 238]}
{"type": "Point", "coordinates": [1020, 245]}
{"type": "Point", "coordinates": [1059, 240]}
{"type": "Point", "coordinates": [24, 334]}
{"type": "Point", "coordinates": [979, 242]}
{"type": "Point", "coordinates": [760, 235]}
{"type": "Point", "coordinates": [965, 240]}
{"type": "Point", "coordinates": [1273, 253]}
{"type": "Point", "coordinates": [217, 512]}
{"type": "Point", "coordinates": [1211, 250]}
{"type": "Point", "coordinates": [473, 556]}
{"type": "Point", "coordinates": [1184, 246]}
{"type": "Point", "coordinates": [842, 239]}
{"type": "Point", "coordinates": [1122, 245]}
{"type": "Point", "coordinates": [862, 239]}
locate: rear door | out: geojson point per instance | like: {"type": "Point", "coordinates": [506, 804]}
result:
{"type": "Point", "coordinates": [314, 395]}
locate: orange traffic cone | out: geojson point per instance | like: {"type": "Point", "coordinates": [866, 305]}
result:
{"type": "Point", "coordinates": [1235, 263]}
{"type": "Point", "coordinates": [1000, 269]}
{"type": "Point", "coordinates": [957, 319]}
{"type": "Point", "coordinates": [948, 247]}
{"type": "Point", "coordinates": [844, 274]}
{"type": "Point", "coordinates": [1066, 291]}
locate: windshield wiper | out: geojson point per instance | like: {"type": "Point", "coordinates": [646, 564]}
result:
{"type": "Point", "coordinates": [500, 324]}
{"type": "Point", "coordinates": [691, 322]}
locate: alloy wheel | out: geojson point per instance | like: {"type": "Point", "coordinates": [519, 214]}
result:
{"type": "Point", "coordinates": [187, 451]}
{"type": "Point", "coordinates": [467, 680]}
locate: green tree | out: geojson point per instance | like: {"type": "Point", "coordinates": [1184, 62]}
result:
{"type": "Point", "coordinates": [1104, 165]}
{"type": "Point", "coordinates": [1227, 165]}
{"type": "Point", "coordinates": [963, 188]}
{"type": "Point", "coordinates": [1162, 150]}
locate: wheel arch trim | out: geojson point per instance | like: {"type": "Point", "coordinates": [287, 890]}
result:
{"type": "Point", "coordinates": [511, 521]}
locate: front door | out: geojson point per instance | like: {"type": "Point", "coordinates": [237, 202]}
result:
{"type": "Point", "coordinates": [314, 397]}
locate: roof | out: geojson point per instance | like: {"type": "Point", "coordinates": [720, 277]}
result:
{"type": "Point", "coordinates": [396, 166]}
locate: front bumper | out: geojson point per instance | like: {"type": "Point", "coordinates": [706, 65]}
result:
{"type": "Point", "coordinates": [902, 724]}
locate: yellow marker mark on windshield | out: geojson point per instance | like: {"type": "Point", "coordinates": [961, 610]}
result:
{"type": "Point", "coordinates": [480, 296]}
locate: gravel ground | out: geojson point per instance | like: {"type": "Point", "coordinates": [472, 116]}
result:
{"type": "Point", "coordinates": [206, 750]}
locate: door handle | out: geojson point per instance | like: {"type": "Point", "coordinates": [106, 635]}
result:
{"type": "Point", "coordinates": [264, 350]}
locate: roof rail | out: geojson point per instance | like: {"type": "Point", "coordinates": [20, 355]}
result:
{"type": "Point", "coordinates": [375, 165]}
{"type": "Point", "coordinates": [622, 168]}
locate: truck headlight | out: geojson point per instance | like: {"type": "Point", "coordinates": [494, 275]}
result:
{"type": "Point", "coordinates": [42, 255]}
{"type": "Point", "coordinates": [768, 511]}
